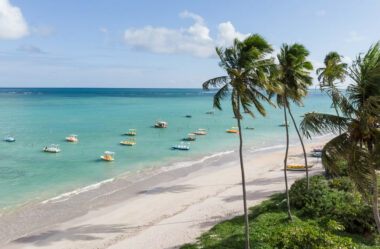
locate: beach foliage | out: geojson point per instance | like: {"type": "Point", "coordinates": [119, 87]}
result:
{"type": "Point", "coordinates": [334, 199]}
{"type": "Point", "coordinates": [309, 229]}
{"type": "Point", "coordinates": [359, 141]}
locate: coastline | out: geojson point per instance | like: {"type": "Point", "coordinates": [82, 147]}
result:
{"type": "Point", "coordinates": [93, 213]}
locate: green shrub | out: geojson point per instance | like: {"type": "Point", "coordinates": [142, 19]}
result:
{"type": "Point", "coordinates": [322, 200]}
{"type": "Point", "coordinates": [342, 183]}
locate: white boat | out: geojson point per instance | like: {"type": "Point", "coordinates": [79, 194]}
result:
{"type": "Point", "coordinates": [160, 124]}
{"type": "Point", "coordinates": [54, 148]}
{"type": "Point", "coordinates": [108, 156]}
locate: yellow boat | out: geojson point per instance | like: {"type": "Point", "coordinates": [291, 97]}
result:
{"type": "Point", "coordinates": [72, 138]}
{"type": "Point", "coordinates": [232, 131]}
{"type": "Point", "coordinates": [297, 167]}
{"type": "Point", "coordinates": [107, 156]}
{"type": "Point", "coordinates": [128, 143]}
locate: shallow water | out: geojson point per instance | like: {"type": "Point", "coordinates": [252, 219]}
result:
{"type": "Point", "coordinates": [40, 117]}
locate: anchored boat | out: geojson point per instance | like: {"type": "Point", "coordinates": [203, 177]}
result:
{"type": "Point", "coordinates": [284, 124]}
{"type": "Point", "coordinates": [181, 147]}
{"type": "Point", "coordinates": [108, 156]}
{"type": "Point", "coordinates": [128, 143]}
{"type": "Point", "coordinates": [232, 131]}
{"type": "Point", "coordinates": [131, 132]}
{"type": "Point", "coordinates": [10, 139]}
{"type": "Point", "coordinates": [72, 138]}
{"type": "Point", "coordinates": [54, 148]}
{"type": "Point", "coordinates": [190, 137]}
{"type": "Point", "coordinates": [160, 124]}
{"type": "Point", "coordinates": [200, 133]}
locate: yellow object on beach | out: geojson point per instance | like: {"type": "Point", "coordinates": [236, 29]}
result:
{"type": "Point", "coordinates": [297, 166]}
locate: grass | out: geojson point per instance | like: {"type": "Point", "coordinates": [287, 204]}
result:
{"type": "Point", "coordinates": [270, 228]}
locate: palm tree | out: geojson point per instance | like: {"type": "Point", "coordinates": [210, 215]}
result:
{"type": "Point", "coordinates": [247, 66]}
{"type": "Point", "coordinates": [294, 76]}
{"type": "Point", "coordinates": [329, 76]}
{"type": "Point", "coordinates": [359, 143]}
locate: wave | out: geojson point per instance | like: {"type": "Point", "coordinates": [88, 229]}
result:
{"type": "Point", "coordinates": [67, 195]}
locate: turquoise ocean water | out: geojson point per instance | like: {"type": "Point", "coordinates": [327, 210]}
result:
{"type": "Point", "coordinates": [39, 117]}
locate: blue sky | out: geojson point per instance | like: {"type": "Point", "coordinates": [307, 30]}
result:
{"type": "Point", "coordinates": [118, 43]}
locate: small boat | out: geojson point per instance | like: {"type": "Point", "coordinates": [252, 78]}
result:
{"type": "Point", "coordinates": [210, 112]}
{"type": "Point", "coordinates": [10, 139]}
{"type": "Point", "coordinates": [72, 138]}
{"type": "Point", "coordinates": [160, 124]}
{"type": "Point", "coordinates": [131, 132]}
{"type": "Point", "coordinates": [181, 147]}
{"type": "Point", "coordinates": [316, 154]}
{"type": "Point", "coordinates": [202, 129]}
{"type": "Point", "coordinates": [108, 156]}
{"type": "Point", "coordinates": [54, 148]}
{"type": "Point", "coordinates": [297, 167]}
{"type": "Point", "coordinates": [232, 131]}
{"type": "Point", "coordinates": [317, 149]}
{"type": "Point", "coordinates": [200, 133]}
{"type": "Point", "coordinates": [188, 116]}
{"type": "Point", "coordinates": [284, 124]}
{"type": "Point", "coordinates": [190, 137]}
{"type": "Point", "coordinates": [128, 143]}
{"type": "Point", "coordinates": [249, 128]}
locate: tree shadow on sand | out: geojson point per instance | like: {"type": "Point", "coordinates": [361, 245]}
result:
{"type": "Point", "coordinates": [85, 232]}
{"type": "Point", "coordinates": [170, 189]}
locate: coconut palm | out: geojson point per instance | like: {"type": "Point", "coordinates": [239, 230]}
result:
{"type": "Point", "coordinates": [247, 66]}
{"type": "Point", "coordinates": [294, 76]}
{"type": "Point", "coordinates": [359, 143]}
{"type": "Point", "coordinates": [329, 76]}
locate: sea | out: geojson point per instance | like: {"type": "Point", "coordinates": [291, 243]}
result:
{"type": "Point", "coordinates": [39, 117]}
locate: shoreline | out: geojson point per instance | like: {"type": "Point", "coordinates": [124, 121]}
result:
{"type": "Point", "coordinates": [110, 196]}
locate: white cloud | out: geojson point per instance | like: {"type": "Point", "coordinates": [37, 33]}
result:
{"type": "Point", "coordinates": [320, 13]}
{"type": "Point", "coordinates": [43, 30]}
{"type": "Point", "coordinates": [12, 23]}
{"type": "Point", "coordinates": [194, 40]}
{"type": "Point", "coordinates": [354, 37]}
{"type": "Point", "coordinates": [227, 34]}
{"type": "Point", "coordinates": [30, 49]}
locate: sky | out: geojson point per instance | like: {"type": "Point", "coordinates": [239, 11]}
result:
{"type": "Point", "coordinates": [166, 43]}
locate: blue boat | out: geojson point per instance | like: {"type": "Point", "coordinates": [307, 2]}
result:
{"type": "Point", "coordinates": [10, 139]}
{"type": "Point", "coordinates": [316, 154]}
{"type": "Point", "coordinates": [181, 147]}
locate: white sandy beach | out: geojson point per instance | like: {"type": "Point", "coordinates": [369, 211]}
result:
{"type": "Point", "coordinates": [172, 213]}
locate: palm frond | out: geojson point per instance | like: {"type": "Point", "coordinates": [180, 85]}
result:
{"type": "Point", "coordinates": [320, 123]}
{"type": "Point", "coordinates": [220, 95]}
{"type": "Point", "coordinates": [215, 82]}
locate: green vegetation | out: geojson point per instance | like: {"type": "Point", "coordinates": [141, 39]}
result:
{"type": "Point", "coordinates": [321, 219]}
{"type": "Point", "coordinates": [359, 141]}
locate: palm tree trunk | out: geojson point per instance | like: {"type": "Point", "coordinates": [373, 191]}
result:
{"type": "Point", "coordinates": [286, 161]}
{"type": "Point", "coordinates": [247, 246]}
{"type": "Point", "coordinates": [337, 113]}
{"type": "Point", "coordinates": [303, 148]}
{"type": "Point", "coordinates": [375, 206]}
